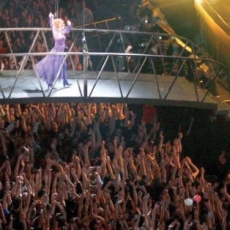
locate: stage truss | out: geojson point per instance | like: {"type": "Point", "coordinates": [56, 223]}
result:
{"type": "Point", "coordinates": [149, 72]}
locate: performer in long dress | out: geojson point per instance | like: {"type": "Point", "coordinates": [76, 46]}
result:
{"type": "Point", "coordinates": [50, 65]}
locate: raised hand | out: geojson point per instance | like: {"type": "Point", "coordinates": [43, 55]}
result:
{"type": "Point", "coordinates": [51, 15]}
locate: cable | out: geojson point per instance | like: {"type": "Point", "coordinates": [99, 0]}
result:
{"type": "Point", "coordinates": [56, 9]}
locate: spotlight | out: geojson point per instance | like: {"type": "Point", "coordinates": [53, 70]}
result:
{"type": "Point", "coordinates": [199, 1]}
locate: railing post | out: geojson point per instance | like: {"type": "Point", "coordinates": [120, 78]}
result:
{"type": "Point", "coordinates": [85, 65]}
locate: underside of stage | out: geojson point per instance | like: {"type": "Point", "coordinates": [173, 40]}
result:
{"type": "Point", "coordinates": [113, 87]}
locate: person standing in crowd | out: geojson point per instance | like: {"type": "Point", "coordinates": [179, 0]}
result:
{"type": "Point", "coordinates": [223, 167]}
{"type": "Point", "coordinates": [84, 15]}
{"type": "Point", "coordinates": [54, 67]}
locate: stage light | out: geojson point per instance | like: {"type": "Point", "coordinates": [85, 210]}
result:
{"type": "Point", "coordinates": [199, 1]}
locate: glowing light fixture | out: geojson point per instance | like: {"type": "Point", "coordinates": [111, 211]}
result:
{"type": "Point", "coordinates": [199, 1]}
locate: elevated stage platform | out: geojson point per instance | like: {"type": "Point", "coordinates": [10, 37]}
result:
{"type": "Point", "coordinates": [110, 87]}
{"type": "Point", "coordinates": [165, 70]}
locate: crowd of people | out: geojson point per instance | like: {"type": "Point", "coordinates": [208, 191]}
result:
{"type": "Point", "coordinates": [103, 166]}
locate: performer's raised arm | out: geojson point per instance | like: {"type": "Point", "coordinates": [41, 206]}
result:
{"type": "Point", "coordinates": [68, 27]}
{"type": "Point", "coordinates": [51, 17]}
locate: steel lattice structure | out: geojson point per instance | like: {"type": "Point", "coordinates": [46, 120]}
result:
{"type": "Point", "coordinates": [122, 55]}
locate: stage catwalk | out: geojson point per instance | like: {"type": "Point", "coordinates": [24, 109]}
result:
{"type": "Point", "coordinates": [110, 87]}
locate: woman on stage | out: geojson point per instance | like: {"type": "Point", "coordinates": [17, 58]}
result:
{"type": "Point", "coordinates": [49, 67]}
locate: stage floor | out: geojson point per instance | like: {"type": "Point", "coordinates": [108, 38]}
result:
{"type": "Point", "coordinates": [109, 87]}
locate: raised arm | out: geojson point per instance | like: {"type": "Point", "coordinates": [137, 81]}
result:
{"type": "Point", "coordinates": [68, 27]}
{"type": "Point", "coordinates": [51, 19]}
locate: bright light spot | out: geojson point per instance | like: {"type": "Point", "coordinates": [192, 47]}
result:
{"type": "Point", "coordinates": [199, 1]}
